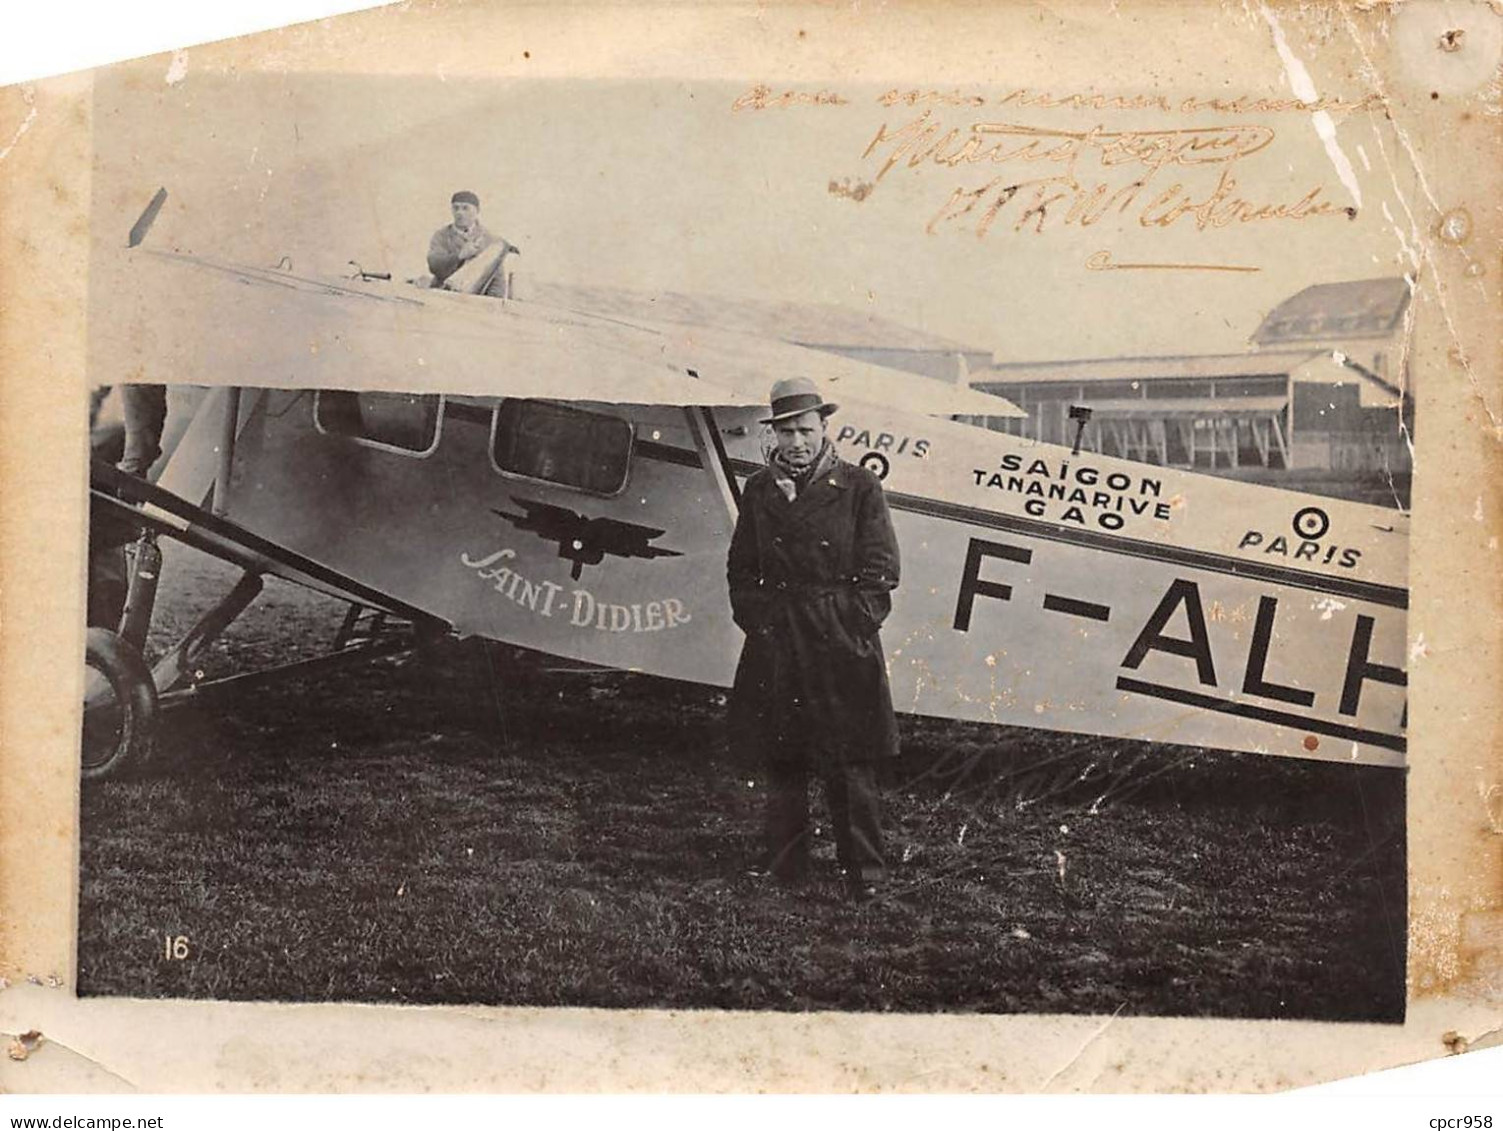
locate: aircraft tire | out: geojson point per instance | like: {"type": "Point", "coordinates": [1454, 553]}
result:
{"type": "Point", "coordinates": [120, 713]}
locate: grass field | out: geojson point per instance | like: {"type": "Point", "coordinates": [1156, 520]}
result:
{"type": "Point", "coordinates": [474, 827]}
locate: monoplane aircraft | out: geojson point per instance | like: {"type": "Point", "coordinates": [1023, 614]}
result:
{"type": "Point", "coordinates": [567, 482]}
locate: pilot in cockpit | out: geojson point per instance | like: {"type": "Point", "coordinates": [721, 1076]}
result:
{"type": "Point", "coordinates": [456, 244]}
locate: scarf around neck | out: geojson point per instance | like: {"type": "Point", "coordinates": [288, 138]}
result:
{"type": "Point", "coordinates": [792, 480]}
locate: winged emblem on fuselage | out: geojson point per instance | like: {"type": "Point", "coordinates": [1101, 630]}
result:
{"type": "Point", "coordinates": [582, 540]}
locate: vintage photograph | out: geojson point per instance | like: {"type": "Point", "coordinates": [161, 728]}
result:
{"type": "Point", "coordinates": [685, 544]}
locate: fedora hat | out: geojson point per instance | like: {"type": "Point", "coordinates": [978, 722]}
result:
{"type": "Point", "coordinates": [794, 396]}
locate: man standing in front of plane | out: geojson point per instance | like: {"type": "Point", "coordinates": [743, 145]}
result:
{"type": "Point", "coordinates": [812, 566]}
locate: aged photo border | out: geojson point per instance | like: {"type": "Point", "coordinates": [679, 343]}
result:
{"type": "Point", "coordinates": [1453, 807]}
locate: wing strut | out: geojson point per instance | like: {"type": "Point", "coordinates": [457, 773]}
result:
{"type": "Point", "coordinates": [228, 430]}
{"type": "Point", "coordinates": [712, 456]}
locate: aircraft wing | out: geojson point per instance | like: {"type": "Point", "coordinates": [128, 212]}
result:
{"type": "Point", "coordinates": [174, 318]}
{"type": "Point", "coordinates": [745, 363]}
{"type": "Point", "coordinates": [171, 318]}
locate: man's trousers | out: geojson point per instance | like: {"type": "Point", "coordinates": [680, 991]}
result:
{"type": "Point", "coordinates": [145, 410]}
{"type": "Point", "coordinates": [855, 814]}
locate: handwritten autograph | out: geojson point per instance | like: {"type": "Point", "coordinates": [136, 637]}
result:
{"type": "Point", "coordinates": [925, 139]}
{"type": "Point", "coordinates": [1082, 174]}
{"type": "Point", "coordinates": [1098, 101]}
{"type": "Point", "coordinates": [1068, 198]}
{"type": "Point", "coordinates": [762, 97]}
{"type": "Point", "coordinates": [1069, 201]}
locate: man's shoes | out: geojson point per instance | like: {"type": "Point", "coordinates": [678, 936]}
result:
{"type": "Point", "coordinates": [761, 870]}
{"type": "Point", "coordinates": [862, 891]}
{"type": "Point", "coordinates": [863, 885]}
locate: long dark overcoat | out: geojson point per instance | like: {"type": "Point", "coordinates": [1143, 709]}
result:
{"type": "Point", "coordinates": [810, 584]}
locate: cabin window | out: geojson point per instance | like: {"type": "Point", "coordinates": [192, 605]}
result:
{"type": "Point", "coordinates": [563, 445]}
{"type": "Point", "coordinates": [407, 423]}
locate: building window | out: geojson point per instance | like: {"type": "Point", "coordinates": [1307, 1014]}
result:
{"type": "Point", "coordinates": [1177, 387]}
{"type": "Point", "coordinates": [562, 445]}
{"type": "Point", "coordinates": [1113, 391]}
{"type": "Point", "coordinates": [1251, 386]}
{"type": "Point", "coordinates": [406, 423]}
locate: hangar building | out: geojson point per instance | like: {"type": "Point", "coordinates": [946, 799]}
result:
{"type": "Point", "coordinates": [1322, 387]}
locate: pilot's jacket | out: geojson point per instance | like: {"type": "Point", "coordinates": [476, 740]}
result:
{"type": "Point", "coordinates": [810, 584]}
{"type": "Point", "coordinates": [450, 249]}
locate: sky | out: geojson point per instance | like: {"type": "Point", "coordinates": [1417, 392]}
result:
{"type": "Point", "coordinates": [660, 185]}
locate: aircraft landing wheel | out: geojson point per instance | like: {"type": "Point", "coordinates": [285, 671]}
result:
{"type": "Point", "coordinates": [119, 709]}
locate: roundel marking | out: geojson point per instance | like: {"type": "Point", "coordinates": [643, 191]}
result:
{"type": "Point", "coordinates": [1311, 523]}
